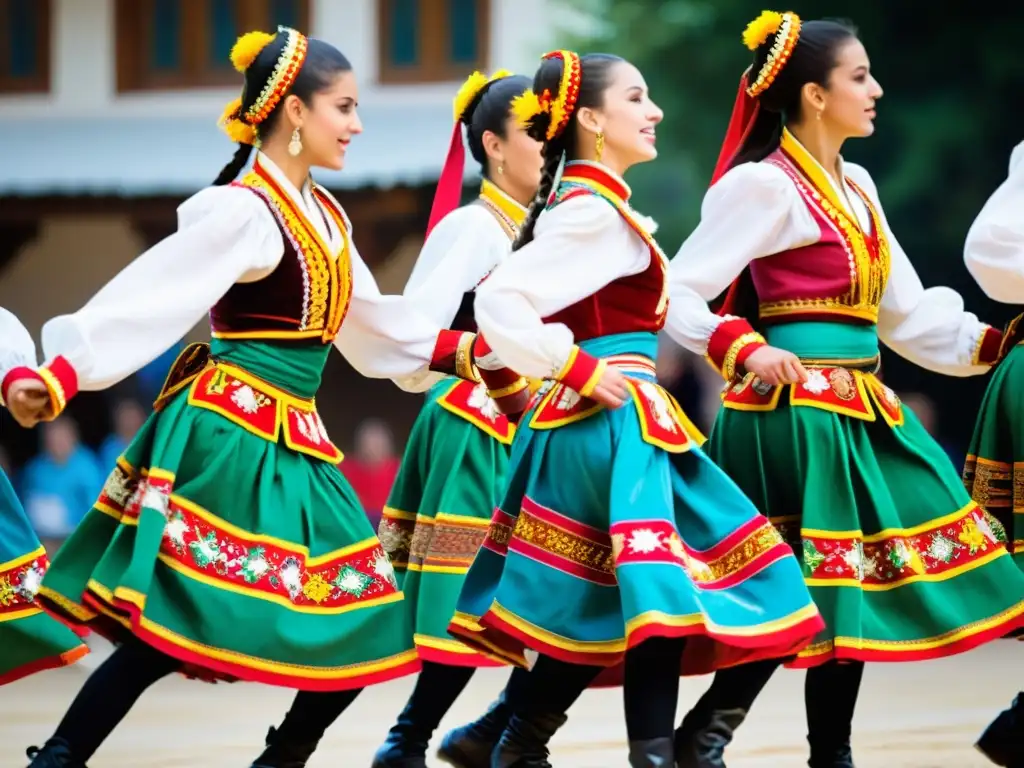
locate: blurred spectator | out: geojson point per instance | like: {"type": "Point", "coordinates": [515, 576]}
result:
{"type": "Point", "coordinates": [924, 408]}
{"type": "Point", "coordinates": [373, 468]}
{"type": "Point", "coordinates": [128, 418]}
{"type": "Point", "coordinates": [678, 374]}
{"type": "Point", "coordinates": [60, 484]}
{"type": "Point", "coordinates": [150, 378]}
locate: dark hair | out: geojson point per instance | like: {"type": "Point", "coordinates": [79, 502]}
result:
{"type": "Point", "coordinates": [322, 63]}
{"type": "Point", "coordinates": [490, 111]}
{"type": "Point", "coordinates": [595, 69]}
{"type": "Point", "coordinates": [812, 61]}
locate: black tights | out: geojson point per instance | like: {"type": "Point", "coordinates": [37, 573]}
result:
{"type": "Point", "coordinates": [437, 688]}
{"type": "Point", "coordinates": [549, 687]}
{"type": "Point", "coordinates": [830, 696]}
{"type": "Point", "coordinates": [112, 690]}
{"type": "Point", "coordinates": [108, 695]}
{"type": "Point", "coordinates": [651, 688]}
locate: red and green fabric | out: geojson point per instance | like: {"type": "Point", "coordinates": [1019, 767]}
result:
{"type": "Point", "coordinates": [31, 640]}
{"type": "Point", "coordinates": [244, 557]}
{"type": "Point", "coordinates": [452, 476]}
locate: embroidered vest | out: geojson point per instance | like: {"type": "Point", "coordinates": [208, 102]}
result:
{"type": "Point", "coordinates": [841, 277]}
{"type": "Point", "coordinates": [308, 293]}
{"type": "Point", "coordinates": [635, 303]}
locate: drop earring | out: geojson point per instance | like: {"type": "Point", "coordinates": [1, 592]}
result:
{"type": "Point", "coordinates": [501, 169]}
{"type": "Point", "coordinates": [599, 145]}
{"type": "Point", "coordinates": [295, 145]}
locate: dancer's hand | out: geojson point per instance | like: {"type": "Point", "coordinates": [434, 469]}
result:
{"type": "Point", "coordinates": [28, 401]}
{"type": "Point", "coordinates": [611, 390]}
{"type": "Point", "coordinates": [775, 366]}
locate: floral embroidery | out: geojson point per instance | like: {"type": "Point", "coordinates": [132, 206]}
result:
{"type": "Point", "coordinates": [886, 562]}
{"type": "Point", "coordinates": [20, 583]}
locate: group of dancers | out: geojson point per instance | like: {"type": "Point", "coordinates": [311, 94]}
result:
{"type": "Point", "coordinates": [556, 511]}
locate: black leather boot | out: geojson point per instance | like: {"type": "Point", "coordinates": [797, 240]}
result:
{"type": "Point", "coordinates": [652, 753]}
{"type": "Point", "coordinates": [405, 746]}
{"type": "Point", "coordinates": [470, 746]}
{"type": "Point", "coordinates": [1003, 740]}
{"type": "Point", "coordinates": [55, 753]}
{"type": "Point", "coordinates": [831, 756]}
{"type": "Point", "coordinates": [701, 740]}
{"type": "Point", "coordinates": [524, 744]}
{"type": "Point", "coordinates": [283, 754]}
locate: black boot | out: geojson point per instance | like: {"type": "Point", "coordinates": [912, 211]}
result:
{"type": "Point", "coordinates": [833, 756]}
{"type": "Point", "coordinates": [283, 754]}
{"type": "Point", "coordinates": [651, 753]}
{"type": "Point", "coordinates": [405, 746]}
{"type": "Point", "coordinates": [55, 753]}
{"type": "Point", "coordinates": [701, 740]}
{"type": "Point", "coordinates": [470, 746]}
{"type": "Point", "coordinates": [1003, 740]}
{"type": "Point", "coordinates": [524, 744]}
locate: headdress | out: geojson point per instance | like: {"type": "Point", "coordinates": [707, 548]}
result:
{"type": "Point", "coordinates": [241, 126]}
{"type": "Point", "coordinates": [449, 185]}
{"type": "Point", "coordinates": [786, 28]}
{"type": "Point", "coordinates": [551, 111]}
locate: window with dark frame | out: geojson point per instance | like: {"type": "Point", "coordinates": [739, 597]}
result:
{"type": "Point", "coordinates": [24, 46]}
{"type": "Point", "coordinates": [168, 44]}
{"type": "Point", "coordinates": [423, 41]}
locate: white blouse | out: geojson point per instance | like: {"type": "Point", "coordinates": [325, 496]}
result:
{"type": "Point", "coordinates": [994, 250]}
{"type": "Point", "coordinates": [16, 346]}
{"type": "Point", "coordinates": [227, 235]}
{"type": "Point", "coordinates": [754, 211]}
{"type": "Point", "coordinates": [464, 247]}
{"type": "Point", "coordinates": [579, 247]}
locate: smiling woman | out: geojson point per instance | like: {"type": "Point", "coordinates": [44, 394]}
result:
{"type": "Point", "coordinates": [229, 502]}
{"type": "Point", "coordinates": [616, 541]}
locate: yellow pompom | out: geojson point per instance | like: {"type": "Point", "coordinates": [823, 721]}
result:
{"type": "Point", "coordinates": [761, 28]}
{"type": "Point", "coordinates": [231, 123]}
{"type": "Point", "coordinates": [527, 106]}
{"type": "Point", "coordinates": [248, 47]}
{"type": "Point", "coordinates": [471, 89]}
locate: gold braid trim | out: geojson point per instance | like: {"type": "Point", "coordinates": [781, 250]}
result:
{"type": "Point", "coordinates": [729, 361]}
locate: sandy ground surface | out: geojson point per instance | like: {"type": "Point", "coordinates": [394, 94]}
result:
{"type": "Point", "coordinates": [923, 715]}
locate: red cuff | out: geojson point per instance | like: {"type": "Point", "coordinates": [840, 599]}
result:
{"type": "Point", "coordinates": [582, 372]}
{"type": "Point", "coordinates": [453, 354]}
{"type": "Point", "coordinates": [509, 391]}
{"type": "Point", "coordinates": [57, 376]}
{"type": "Point", "coordinates": [13, 375]}
{"type": "Point", "coordinates": [986, 351]}
{"type": "Point", "coordinates": [732, 342]}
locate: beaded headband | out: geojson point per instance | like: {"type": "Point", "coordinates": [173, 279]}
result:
{"type": "Point", "coordinates": [786, 28]}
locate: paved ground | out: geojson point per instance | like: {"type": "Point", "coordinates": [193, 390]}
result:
{"type": "Point", "coordinates": [910, 716]}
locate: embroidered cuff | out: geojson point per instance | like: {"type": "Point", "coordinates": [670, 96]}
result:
{"type": "Point", "coordinates": [57, 376]}
{"type": "Point", "coordinates": [731, 344]}
{"type": "Point", "coordinates": [582, 372]}
{"type": "Point", "coordinates": [453, 354]}
{"type": "Point", "coordinates": [509, 391]}
{"type": "Point", "coordinates": [987, 347]}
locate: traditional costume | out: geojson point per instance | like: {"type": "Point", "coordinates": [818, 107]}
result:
{"type": "Point", "coordinates": [994, 471]}
{"type": "Point", "coordinates": [226, 541]}
{"type": "Point", "coordinates": [900, 561]}
{"type": "Point", "coordinates": [454, 467]}
{"type": "Point", "coordinates": [31, 640]}
{"type": "Point", "coordinates": [615, 527]}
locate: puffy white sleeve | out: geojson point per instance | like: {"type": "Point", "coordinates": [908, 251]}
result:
{"type": "Point", "coordinates": [579, 247]}
{"type": "Point", "coordinates": [461, 250]}
{"type": "Point", "coordinates": [16, 346]}
{"type": "Point", "coordinates": [994, 250]}
{"type": "Point", "coordinates": [927, 326]}
{"type": "Point", "coordinates": [225, 235]}
{"type": "Point", "coordinates": [386, 337]}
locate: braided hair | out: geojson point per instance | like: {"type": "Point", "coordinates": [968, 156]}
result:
{"type": "Point", "coordinates": [322, 64]}
{"type": "Point", "coordinates": [595, 69]}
